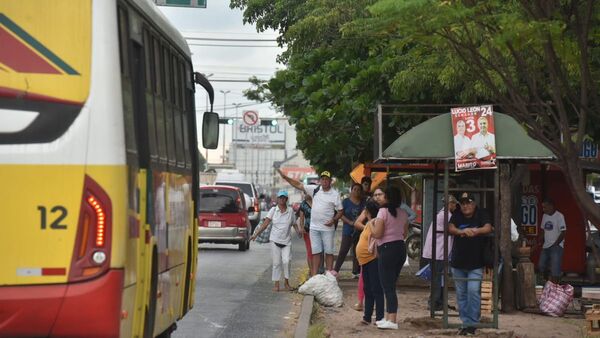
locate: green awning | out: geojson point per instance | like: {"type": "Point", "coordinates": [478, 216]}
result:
{"type": "Point", "coordinates": [433, 139]}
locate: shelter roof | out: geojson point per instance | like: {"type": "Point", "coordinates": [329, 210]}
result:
{"type": "Point", "coordinates": [433, 140]}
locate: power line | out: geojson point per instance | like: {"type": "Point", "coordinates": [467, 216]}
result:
{"type": "Point", "coordinates": [234, 80]}
{"type": "Point", "coordinates": [213, 45]}
{"type": "Point", "coordinates": [236, 40]}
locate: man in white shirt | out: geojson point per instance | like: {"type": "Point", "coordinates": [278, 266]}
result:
{"type": "Point", "coordinates": [326, 211]}
{"type": "Point", "coordinates": [483, 143]}
{"type": "Point", "coordinates": [462, 143]}
{"type": "Point", "coordinates": [553, 228]}
{"type": "Point", "coordinates": [283, 218]}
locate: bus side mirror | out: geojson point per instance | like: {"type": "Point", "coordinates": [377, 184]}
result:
{"type": "Point", "coordinates": [210, 130]}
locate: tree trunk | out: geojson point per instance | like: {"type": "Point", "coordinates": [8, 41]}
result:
{"type": "Point", "coordinates": [508, 297]}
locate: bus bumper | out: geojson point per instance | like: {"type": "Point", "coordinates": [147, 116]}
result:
{"type": "Point", "coordinates": [91, 308]}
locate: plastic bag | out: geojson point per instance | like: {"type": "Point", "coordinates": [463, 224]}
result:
{"type": "Point", "coordinates": [555, 299]}
{"type": "Point", "coordinates": [325, 289]}
{"type": "Point", "coordinates": [263, 237]}
{"type": "Point", "coordinates": [425, 273]}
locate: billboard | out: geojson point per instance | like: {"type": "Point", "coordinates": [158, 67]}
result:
{"type": "Point", "coordinates": [474, 138]}
{"type": "Point", "coordinates": [258, 134]}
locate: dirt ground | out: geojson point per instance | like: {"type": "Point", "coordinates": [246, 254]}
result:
{"type": "Point", "coordinates": [414, 320]}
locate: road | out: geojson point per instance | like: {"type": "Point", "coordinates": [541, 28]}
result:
{"type": "Point", "coordinates": [234, 297]}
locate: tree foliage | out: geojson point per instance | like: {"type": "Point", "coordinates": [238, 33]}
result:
{"type": "Point", "coordinates": [538, 60]}
{"type": "Point", "coordinates": [336, 75]}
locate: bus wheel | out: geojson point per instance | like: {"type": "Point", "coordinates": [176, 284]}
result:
{"type": "Point", "coordinates": [150, 313]}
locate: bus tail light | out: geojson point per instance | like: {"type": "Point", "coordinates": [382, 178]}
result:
{"type": "Point", "coordinates": [91, 254]}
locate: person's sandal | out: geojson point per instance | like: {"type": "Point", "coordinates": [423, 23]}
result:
{"type": "Point", "coordinates": [357, 307]}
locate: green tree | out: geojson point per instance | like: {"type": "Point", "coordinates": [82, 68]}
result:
{"type": "Point", "coordinates": [336, 75]}
{"type": "Point", "coordinates": [539, 60]}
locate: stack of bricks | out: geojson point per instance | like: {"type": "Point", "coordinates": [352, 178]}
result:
{"type": "Point", "coordinates": [487, 292]}
{"type": "Point", "coordinates": [592, 316]}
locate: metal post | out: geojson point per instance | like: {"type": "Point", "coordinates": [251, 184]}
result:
{"type": "Point", "coordinates": [445, 291]}
{"type": "Point", "coordinates": [433, 230]}
{"type": "Point", "coordinates": [224, 116]}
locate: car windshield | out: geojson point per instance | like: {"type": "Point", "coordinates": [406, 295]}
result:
{"type": "Point", "coordinates": [245, 187]}
{"type": "Point", "coordinates": [219, 200]}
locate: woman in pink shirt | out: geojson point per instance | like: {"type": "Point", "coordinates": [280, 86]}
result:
{"type": "Point", "coordinates": [390, 228]}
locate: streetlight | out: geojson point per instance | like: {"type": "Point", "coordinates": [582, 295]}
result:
{"type": "Point", "coordinates": [225, 92]}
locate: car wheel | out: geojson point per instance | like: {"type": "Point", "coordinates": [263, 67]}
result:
{"type": "Point", "coordinates": [242, 246]}
{"type": "Point", "coordinates": [248, 245]}
{"type": "Point", "coordinates": [413, 246]}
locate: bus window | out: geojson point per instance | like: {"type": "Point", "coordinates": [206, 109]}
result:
{"type": "Point", "coordinates": [159, 105]}
{"type": "Point", "coordinates": [178, 114]}
{"type": "Point", "coordinates": [126, 85]}
{"type": "Point", "coordinates": [168, 106]}
{"type": "Point", "coordinates": [150, 81]}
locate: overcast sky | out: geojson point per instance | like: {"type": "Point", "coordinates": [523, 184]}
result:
{"type": "Point", "coordinates": [223, 24]}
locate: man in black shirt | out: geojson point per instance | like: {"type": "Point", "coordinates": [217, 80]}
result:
{"type": "Point", "coordinates": [468, 226]}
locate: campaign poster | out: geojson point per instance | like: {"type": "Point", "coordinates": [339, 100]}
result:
{"type": "Point", "coordinates": [474, 137]}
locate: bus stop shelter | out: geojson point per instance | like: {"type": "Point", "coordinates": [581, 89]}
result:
{"type": "Point", "coordinates": [429, 148]}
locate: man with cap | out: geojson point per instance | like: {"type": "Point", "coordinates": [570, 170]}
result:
{"type": "Point", "coordinates": [435, 296]}
{"type": "Point", "coordinates": [326, 211]}
{"type": "Point", "coordinates": [468, 226]}
{"type": "Point", "coordinates": [282, 219]}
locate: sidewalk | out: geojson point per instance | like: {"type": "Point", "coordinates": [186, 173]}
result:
{"type": "Point", "coordinates": [414, 320]}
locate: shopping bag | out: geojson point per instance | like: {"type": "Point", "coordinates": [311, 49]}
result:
{"type": "Point", "coordinates": [425, 273]}
{"type": "Point", "coordinates": [555, 299]}
{"type": "Point", "coordinates": [263, 237]}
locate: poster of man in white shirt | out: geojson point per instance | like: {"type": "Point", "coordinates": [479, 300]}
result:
{"type": "Point", "coordinates": [474, 139]}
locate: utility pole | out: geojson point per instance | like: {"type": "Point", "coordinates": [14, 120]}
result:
{"type": "Point", "coordinates": [225, 92]}
{"type": "Point", "coordinates": [235, 126]}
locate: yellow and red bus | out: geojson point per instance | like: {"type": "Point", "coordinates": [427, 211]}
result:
{"type": "Point", "coordinates": [99, 167]}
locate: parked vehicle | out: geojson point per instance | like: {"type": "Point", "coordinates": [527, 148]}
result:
{"type": "Point", "coordinates": [413, 241]}
{"type": "Point", "coordinates": [223, 216]}
{"type": "Point", "coordinates": [248, 189]}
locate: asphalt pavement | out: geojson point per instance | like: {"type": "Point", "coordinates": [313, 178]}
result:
{"type": "Point", "coordinates": [234, 297]}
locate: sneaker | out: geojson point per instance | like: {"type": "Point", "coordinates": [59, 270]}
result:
{"type": "Point", "coordinates": [379, 322]}
{"type": "Point", "coordinates": [387, 325]}
{"type": "Point", "coordinates": [466, 331]}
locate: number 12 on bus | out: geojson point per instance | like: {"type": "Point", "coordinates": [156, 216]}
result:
{"type": "Point", "coordinates": [99, 159]}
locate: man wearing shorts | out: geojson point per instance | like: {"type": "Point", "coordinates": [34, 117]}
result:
{"type": "Point", "coordinates": [326, 211]}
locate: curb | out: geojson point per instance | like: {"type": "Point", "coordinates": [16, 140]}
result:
{"type": "Point", "coordinates": [304, 320]}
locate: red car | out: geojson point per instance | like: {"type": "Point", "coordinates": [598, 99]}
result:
{"type": "Point", "coordinates": [223, 216]}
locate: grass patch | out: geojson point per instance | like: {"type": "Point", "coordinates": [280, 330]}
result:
{"type": "Point", "coordinates": [317, 331]}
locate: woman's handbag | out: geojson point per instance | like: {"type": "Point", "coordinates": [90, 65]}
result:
{"type": "Point", "coordinates": [263, 237]}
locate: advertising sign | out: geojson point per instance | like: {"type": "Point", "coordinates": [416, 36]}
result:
{"type": "Point", "coordinates": [258, 134]}
{"type": "Point", "coordinates": [474, 139]}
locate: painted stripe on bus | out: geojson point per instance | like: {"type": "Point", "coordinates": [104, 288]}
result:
{"type": "Point", "coordinates": [36, 45]}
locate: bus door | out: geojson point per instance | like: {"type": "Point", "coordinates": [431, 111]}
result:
{"type": "Point", "coordinates": [137, 300]}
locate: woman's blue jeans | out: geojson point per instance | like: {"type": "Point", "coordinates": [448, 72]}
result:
{"type": "Point", "coordinates": [468, 295]}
